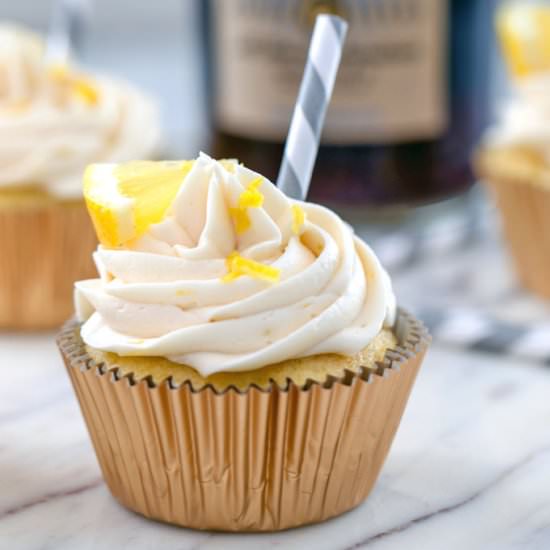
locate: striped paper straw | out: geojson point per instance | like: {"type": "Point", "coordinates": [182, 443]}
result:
{"type": "Point", "coordinates": [66, 27]}
{"type": "Point", "coordinates": [475, 330]}
{"type": "Point", "coordinates": [308, 118]}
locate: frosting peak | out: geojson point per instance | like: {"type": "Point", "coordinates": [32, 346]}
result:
{"type": "Point", "coordinates": [55, 119]}
{"type": "Point", "coordinates": [206, 289]}
{"type": "Point", "coordinates": [524, 119]}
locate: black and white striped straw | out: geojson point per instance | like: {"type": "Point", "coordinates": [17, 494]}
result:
{"type": "Point", "coordinates": [302, 144]}
{"type": "Point", "coordinates": [67, 24]}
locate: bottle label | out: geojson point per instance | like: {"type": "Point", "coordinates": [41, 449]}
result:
{"type": "Point", "coordinates": [391, 85]}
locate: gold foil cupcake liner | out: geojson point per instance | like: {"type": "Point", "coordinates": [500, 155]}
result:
{"type": "Point", "coordinates": [254, 460]}
{"type": "Point", "coordinates": [43, 251]}
{"type": "Point", "coordinates": [522, 195]}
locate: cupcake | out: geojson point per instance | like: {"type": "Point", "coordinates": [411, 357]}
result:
{"type": "Point", "coordinates": [240, 362]}
{"type": "Point", "coordinates": [514, 158]}
{"type": "Point", "coordinates": [54, 120]}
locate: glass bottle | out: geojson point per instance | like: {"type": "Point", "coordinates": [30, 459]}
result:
{"type": "Point", "coordinates": [409, 103]}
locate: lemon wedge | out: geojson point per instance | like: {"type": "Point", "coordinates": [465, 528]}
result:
{"type": "Point", "coordinates": [125, 199]}
{"type": "Point", "coordinates": [524, 32]}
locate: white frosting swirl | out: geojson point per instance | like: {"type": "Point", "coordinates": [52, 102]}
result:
{"type": "Point", "coordinates": [49, 132]}
{"type": "Point", "coordinates": [524, 119]}
{"type": "Point", "coordinates": [165, 296]}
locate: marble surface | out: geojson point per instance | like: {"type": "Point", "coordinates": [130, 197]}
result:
{"type": "Point", "coordinates": [470, 466]}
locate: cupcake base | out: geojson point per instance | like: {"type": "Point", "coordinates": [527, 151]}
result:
{"type": "Point", "coordinates": [317, 367]}
{"type": "Point", "coordinates": [519, 181]}
{"type": "Point", "coordinates": [253, 460]}
{"type": "Point", "coordinates": [45, 246]}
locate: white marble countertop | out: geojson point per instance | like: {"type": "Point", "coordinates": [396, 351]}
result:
{"type": "Point", "coordinates": [470, 466]}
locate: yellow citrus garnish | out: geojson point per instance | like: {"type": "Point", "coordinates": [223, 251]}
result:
{"type": "Point", "coordinates": [125, 199]}
{"type": "Point", "coordinates": [86, 91]}
{"type": "Point", "coordinates": [298, 218]}
{"type": "Point", "coordinates": [241, 219]}
{"type": "Point", "coordinates": [251, 197]}
{"type": "Point", "coordinates": [237, 266]}
{"type": "Point", "coordinates": [524, 32]}
{"type": "Point", "coordinates": [82, 87]}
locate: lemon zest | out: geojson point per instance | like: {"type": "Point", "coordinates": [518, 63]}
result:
{"type": "Point", "coordinates": [298, 218]}
{"type": "Point", "coordinates": [86, 91]}
{"type": "Point", "coordinates": [251, 197]}
{"type": "Point", "coordinates": [81, 87]}
{"type": "Point", "coordinates": [241, 219]}
{"type": "Point", "coordinates": [237, 266]}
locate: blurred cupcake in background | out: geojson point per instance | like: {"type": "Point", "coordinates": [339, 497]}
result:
{"type": "Point", "coordinates": [54, 120]}
{"type": "Point", "coordinates": [514, 159]}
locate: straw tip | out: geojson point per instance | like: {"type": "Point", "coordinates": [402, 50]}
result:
{"type": "Point", "coordinates": [339, 23]}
